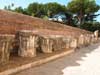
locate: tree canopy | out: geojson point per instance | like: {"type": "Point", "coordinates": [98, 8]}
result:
{"type": "Point", "coordinates": [45, 9]}
{"type": "Point", "coordinates": [82, 8]}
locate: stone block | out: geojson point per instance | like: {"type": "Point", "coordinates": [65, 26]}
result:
{"type": "Point", "coordinates": [74, 43]}
{"type": "Point", "coordinates": [96, 34]}
{"type": "Point", "coordinates": [46, 45]}
{"type": "Point", "coordinates": [87, 40]}
{"type": "Point", "coordinates": [27, 44]}
{"type": "Point", "coordinates": [5, 44]}
{"type": "Point", "coordinates": [81, 40]}
{"type": "Point", "coordinates": [92, 38]}
{"type": "Point", "coordinates": [59, 43]}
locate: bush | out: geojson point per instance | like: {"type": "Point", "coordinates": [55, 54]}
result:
{"type": "Point", "coordinates": [45, 17]}
{"type": "Point", "coordinates": [91, 26]}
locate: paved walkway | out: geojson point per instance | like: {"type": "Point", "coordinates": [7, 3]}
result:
{"type": "Point", "coordinates": [85, 61]}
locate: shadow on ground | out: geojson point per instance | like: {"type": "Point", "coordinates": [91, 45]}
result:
{"type": "Point", "coordinates": [56, 67]}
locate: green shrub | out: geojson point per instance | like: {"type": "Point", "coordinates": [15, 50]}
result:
{"type": "Point", "coordinates": [91, 26]}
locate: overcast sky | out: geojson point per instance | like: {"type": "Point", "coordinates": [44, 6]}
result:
{"type": "Point", "coordinates": [25, 3]}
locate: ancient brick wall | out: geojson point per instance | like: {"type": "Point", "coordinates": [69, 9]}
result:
{"type": "Point", "coordinates": [29, 42]}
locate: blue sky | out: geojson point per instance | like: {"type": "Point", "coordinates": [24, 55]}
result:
{"type": "Point", "coordinates": [25, 3]}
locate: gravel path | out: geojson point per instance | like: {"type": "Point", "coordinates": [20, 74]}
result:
{"type": "Point", "coordinates": [85, 61]}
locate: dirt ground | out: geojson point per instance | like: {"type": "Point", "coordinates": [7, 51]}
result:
{"type": "Point", "coordinates": [16, 61]}
{"type": "Point", "coordinates": [85, 61]}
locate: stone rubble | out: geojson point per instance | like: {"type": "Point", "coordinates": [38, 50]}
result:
{"type": "Point", "coordinates": [30, 42]}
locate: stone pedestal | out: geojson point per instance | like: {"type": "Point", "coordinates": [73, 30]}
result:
{"type": "Point", "coordinates": [68, 40]}
{"type": "Point", "coordinates": [27, 44]}
{"type": "Point", "coordinates": [96, 34]}
{"type": "Point", "coordinates": [81, 40]}
{"type": "Point", "coordinates": [74, 43]}
{"type": "Point", "coordinates": [59, 43]}
{"type": "Point", "coordinates": [87, 40]}
{"type": "Point", "coordinates": [92, 38]}
{"type": "Point", "coordinates": [46, 45]}
{"type": "Point", "coordinates": [5, 42]}
{"type": "Point", "coordinates": [53, 43]}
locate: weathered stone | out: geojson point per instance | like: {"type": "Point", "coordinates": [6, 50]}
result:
{"type": "Point", "coordinates": [96, 34]}
{"type": "Point", "coordinates": [67, 40]}
{"type": "Point", "coordinates": [59, 43]}
{"type": "Point", "coordinates": [30, 41]}
{"type": "Point", "coordinates": [81, 40]}
{"type": "Point", "coordinates": [74, 43]}
{"type": "Point", "coordinates": [5, 42]}
{"type": "Point", "coordinates": [89, 36]}
{"type": "Point", "coordinates": [53, 43]}
{"type": "Point", "coordinates": [46, 45]}
{"type": "Point", "coordinates": [27, 44]}
{"type": "Point", "coordinates": [87, 40]}
{"type": "Point", "coordinates": [92, 38]}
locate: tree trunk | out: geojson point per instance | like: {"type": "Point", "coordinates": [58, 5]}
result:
{"type": "Point", "coordinates": [80, 17]}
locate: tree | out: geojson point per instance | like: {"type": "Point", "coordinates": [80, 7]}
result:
{"type": "Point", "coordinates": [19, 10]}
{"type": "Point", "coordinates": [82, 8]}
{"type": "Point", "coordinates": [5, 7]}
{"type": "Point", "coordinates": [33, 8]}
{"type": "Point", "coordinates": [9, 7]}
{"type": "Point", "coordinates": [90, 17]}
{"type": "Point", "coordinates": [47, 9]}
{"type": "Point", "coordinates": [54, 8]}
{"type": "Point", "coordinates": [12, 4]}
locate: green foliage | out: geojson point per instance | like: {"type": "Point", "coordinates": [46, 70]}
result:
{"type": "Point", "coordinates": [39, 9]}
{"type": "Point", "coordinates": [33, 8]}
{"type": "Point", "coordinates": [86, 6]}
{"type": "Point", "coordinates": [19, 10]}
{"type": "Point", "coordinates": [33, 14]}
{"type": "Point", "coordinates": [91, 26]}
{"type": "Point", "coordinates": [5, 7]}
{"type": "Point", "coordinates": [9, 7]}
{"type": "Point", "coordinates": [45, 9]}
{"type": "Point", "coordinates": [91, 7]}
{"type": "Point", "coordinates": [45, 17]}
{"type": "Point", "coordinates": [82, 8]}
{"type": "Point", "coordinates": [54, 8]}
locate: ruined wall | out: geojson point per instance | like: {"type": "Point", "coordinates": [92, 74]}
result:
{"type": "Point", "coordinates": [96, 35]}
{"type": "Point", "coordinates": [51, 43]}
{"type": "Point", "coordinates": [28, 43]}
{"type": "Point", "coordinates": [5, 47]}
{"type": "Point", "coordinates": [59, 43]}
{"type": "Point", "coordinates": [46, 44]}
